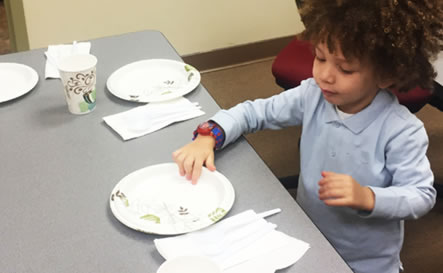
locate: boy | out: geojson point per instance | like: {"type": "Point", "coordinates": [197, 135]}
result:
{"type": "Point", "coordinates": [363, 156]}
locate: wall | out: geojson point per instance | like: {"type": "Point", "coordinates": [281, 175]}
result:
{"type": "Point", "coordinates": [18, 36]}
{"type": "Point", "coordinates": [192, 26]}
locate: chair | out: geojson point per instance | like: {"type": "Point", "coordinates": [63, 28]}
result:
{"type": "Point", "coordinates": [294, 64]}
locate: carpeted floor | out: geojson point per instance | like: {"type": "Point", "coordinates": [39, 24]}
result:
{"type": "Point", "coordinates": [423, 246]}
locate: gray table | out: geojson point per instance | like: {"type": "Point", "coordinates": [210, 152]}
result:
{"type": "Point", "coordinates": [57, 171]}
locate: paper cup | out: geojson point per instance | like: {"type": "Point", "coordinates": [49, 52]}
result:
{"type": "Point", "coordinates": [78, 77]}
{"type": "Point", "coordinates": [194, 264]}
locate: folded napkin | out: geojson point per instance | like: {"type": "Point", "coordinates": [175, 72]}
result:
{"type": "Point", "coordinates": [56, 53]}
{"type": "Point", "coordinates": [238, 244]}
{"type": "Point", "coordinates": [151, 117]}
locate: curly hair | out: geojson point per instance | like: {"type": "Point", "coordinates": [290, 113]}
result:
{"type": "Point", "coordinates": [399, 38]}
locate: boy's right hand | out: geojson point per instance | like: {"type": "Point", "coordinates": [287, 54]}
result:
{"type": "Point", "coordinates": [191, 157]}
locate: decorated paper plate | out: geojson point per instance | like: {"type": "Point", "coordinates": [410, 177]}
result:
{"type": "Point", "coordinates": [16, 80]}
{"type": "Point", "coordinates": [157, 200]}
{"type": "Point", "coordinates": [153, 80]}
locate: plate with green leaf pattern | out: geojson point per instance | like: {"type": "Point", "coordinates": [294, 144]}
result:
{"type": "Point", "coordinates": [157, 200]}
{"type": "Point", "coordinates": [153, 80]}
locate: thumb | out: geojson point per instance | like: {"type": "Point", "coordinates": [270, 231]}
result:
{"type": "Point", "coordinates": [210, 162]}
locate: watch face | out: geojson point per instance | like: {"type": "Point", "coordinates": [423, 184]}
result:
{"type": "Point", "coordinates": [205, 125]}
{"type": "Point", "coordinates": [205, 128]}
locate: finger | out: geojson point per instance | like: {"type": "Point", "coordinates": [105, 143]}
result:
{"type": "Point", "coordinates": [176, 153]}
{"type": "Point", "coordinates": [330, 193]}
{"type": "Point", "coordinates": [326, 173]}
{"type": "Point", "coordinates": [196, 172]}
{"type": "Point", "coordinates": [336, 202]}
{"type": "Point", "coordinates": [326, 181]}
{"type": "Point", "coordinates": [323, 190]}
{"type": "Point", "coordinates": [178, 158]}
{"type": "Point", "coordinates": [188, 165]}
{"type": "Point", "coordinates": [323, 182]}
{"type": "Point", "coordinates": [210, 162]}
{"type": "Point", "coordinates": [332, 184]}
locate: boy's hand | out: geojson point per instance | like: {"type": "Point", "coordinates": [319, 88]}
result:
{"type": "Point", "coordinates": [191, 157]}
{"type": "Point", "coordinates": [342, 190]}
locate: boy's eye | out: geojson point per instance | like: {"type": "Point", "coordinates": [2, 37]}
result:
{"type": "Point", "coordinates": [319, 59]}
{"type": "Point", "coordinates": [345, 70]}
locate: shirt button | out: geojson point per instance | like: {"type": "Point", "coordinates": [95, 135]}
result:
{"type": "Point", "coordinates": [337, 125]}
{"type": "Point", "coordinates": [333, 154]}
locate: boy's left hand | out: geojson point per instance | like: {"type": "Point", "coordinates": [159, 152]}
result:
{"type": "Point", "coordinates": [342, 190]}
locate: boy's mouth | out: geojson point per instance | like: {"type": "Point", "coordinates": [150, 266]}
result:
{"type": "Point", "coordinates": [328, 92]}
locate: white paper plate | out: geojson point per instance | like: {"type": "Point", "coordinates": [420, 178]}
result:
{"type": "Point", "coordinates": [157, 200]}
{"type": "Point", "coordinates": [16, 80]}
{"type": "Point", "coordinates": [153, 80]}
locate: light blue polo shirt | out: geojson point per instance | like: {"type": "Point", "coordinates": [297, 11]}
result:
{"type": "Point", "coordinates": [383, 147]}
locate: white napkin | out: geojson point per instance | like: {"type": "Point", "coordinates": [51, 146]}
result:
{"type": "Point", "coordinates": [238, 244]}
{"type": "Point", "coordinates": [151, 117]}
{"type": "Point", "coordinates": [56, 53]}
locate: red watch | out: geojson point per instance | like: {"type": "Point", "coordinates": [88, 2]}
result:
{"type": "Point", "coordinates": [210, 128]}
{"type": "Point", "coordinates": [205, 128]}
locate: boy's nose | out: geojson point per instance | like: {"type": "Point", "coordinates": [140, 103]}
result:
{"type": "Point", "coordinates": [327, 74]}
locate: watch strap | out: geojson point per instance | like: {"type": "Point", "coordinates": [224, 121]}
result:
{"type": "Point", "coordinates": [216, 132]}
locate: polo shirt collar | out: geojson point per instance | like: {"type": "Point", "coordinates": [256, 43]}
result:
{"type": "Point", "coordinates": [361, 120]}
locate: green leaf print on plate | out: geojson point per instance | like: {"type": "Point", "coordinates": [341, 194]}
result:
{"type": "Point", "coordinates": [167, 92]}
{"type": "Point", "coordinates": [151, 217]}
{"type": "Point", "coordinates": [217, 214]}
{"type": "Point", "coordinates": [189, 68]}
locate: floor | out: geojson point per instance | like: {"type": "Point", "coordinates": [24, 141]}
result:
{"type": "Point", "coordinates": [423, 247]}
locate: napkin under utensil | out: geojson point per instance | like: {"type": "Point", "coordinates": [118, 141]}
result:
{"type": "Point", "coordinates": [238, 244]}
{"type": "Point", "coordinates": [151, 117]}
{"type": "Point", "coordinates": [56, 53]}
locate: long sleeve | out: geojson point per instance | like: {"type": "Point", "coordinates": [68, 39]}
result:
{"type": "Point", "coordinates": [279, 111]}
{"type": "Point", "coordinates": [411, 193]}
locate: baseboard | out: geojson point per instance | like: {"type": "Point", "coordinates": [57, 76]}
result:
{"type": "Point", "coordinates": [227, 57]}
